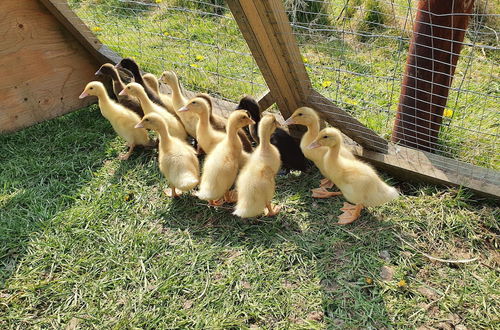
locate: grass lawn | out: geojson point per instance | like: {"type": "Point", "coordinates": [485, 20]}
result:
{"type": "Point", "coordinates": [90, 241]}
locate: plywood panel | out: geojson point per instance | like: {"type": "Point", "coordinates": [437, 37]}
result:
{"type": "Point", "coordinates": [44, 68]}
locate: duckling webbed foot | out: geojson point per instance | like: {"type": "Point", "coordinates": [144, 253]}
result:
{"type": "Point", "coordinates": [231, 196]}
{"type": "Point", "coordinates": [272, 210]}
{"type": "Point", "coordinates": [217, 202]}
{"type": "Point", "coordinates": [171, 192]}
{"type": "Point", "coordinates": [323, 193]}
{"type": "Point", "coordinates": [127, 155]}
{"type": "Point", "coordinates": [326, 183]}
{"type": "Point", "coordinates": [351, 213]}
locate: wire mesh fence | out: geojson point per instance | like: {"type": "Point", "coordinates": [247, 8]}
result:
{"type": "Point", "coordinates": [198, 40]}
{"type": "Point", "coordinates": [354, 51]}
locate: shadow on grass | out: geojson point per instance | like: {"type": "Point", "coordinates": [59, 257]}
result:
{"type": "Point", "coordinates": [39, 179]}
{"type": "Point", "coordinates": [347, 259]}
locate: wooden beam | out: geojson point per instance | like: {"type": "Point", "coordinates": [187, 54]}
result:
{"type": "Point", "coordinates": [265, 27]}
{"type": "Point", "coordinates": [415, 165]}
{"type": "Point", "coordinates": [349, 125]}
{"type": "Point", "coordinates": [265, 101]}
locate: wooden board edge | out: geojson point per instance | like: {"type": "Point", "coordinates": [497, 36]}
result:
{"type": "Point", "coordinates": [349, 125]}
{"type": "Point", "coordinates": [417, 166]}
{"type": "Point", "coordinates": [265, 100]}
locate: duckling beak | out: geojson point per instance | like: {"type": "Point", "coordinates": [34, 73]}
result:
{"type": "Point", "coordinates": [314, 145]}
{"type": "Point", "coordinates": [123, 92]}
{"type": "Point", "coordinates": [139, 125]}
{"type": "Point", "coordinates": [289, 121]}
{"type": "Point", "coordinates": [98, 72]}
{"type": "Point", "coordinates": [184, 108]}
{"type": "Point", "coordinates": [83, 95]}
{"type": "Point", "coordinates": [252, 122]}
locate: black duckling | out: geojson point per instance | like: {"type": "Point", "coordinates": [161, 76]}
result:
{"type": "Point", "coordinates": [127, 101]}
{"type": "Point", "coordinates": [292, 157]}
{"type": "Point", "coordinates": [133, 67]}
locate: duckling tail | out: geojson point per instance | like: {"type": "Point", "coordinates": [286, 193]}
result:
{"type": "Point", "coordinates": [188, 182]}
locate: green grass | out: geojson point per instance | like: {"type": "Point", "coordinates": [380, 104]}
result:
{"type": "Point", "coordinates": [92, 241]}
{"type": "Point", "coordinates": [88, 241]}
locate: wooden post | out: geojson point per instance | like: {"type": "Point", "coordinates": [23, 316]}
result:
{"type": "Point", "coordinates": [265, 26]}
{"type": "Point", "coordinates": [438, 34]}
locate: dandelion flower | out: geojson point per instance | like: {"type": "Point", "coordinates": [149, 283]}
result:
{"type": "Point", "coordinates": [199, 57]}
{"type": "Point", "coordinates": [368, 280]}
{"type": "Point", "coordinates": [448, 113]}
{"type": "Point", "coordinates": [97, 28]}
{"type": "Point", "coordinates": [194, 65]}
{"type": "Point", "coordinates": [305, 60]}
{"type": "Point", "coordinates": [158, 1]}
{"type": "Point", "coordinates": [326, 83]}
{"type": "Point", "coordinates": [401, 284]}
{"type": "Point", "coordinates": [166, 34]}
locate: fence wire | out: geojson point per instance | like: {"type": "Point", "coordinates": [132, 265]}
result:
{"type": "Point", "coordinates": [199, 40]}
{"type": "Point", "coordinates": [354, 51]}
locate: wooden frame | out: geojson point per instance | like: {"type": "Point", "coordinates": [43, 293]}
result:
{"type": "Point", "coordinates": [267, 31]}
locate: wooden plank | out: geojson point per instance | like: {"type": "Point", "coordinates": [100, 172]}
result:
{"type": "Point", "coordinates": [63, 13]}
{"type": "Point", "coordinates": [266, 28]}
{"type": "Point", "coordinates": [260, 43]}
{"type": "Point", "coordinates": [266, 100]}
{"type": "Point", "coordinates": [44, 68]}
{"type": "Point", "coordinates": [349, 125]}
{"type": "Point", "coordinates": [287, 41]}
{"type": "Point", "coordinates": [415, 165]}
{"type": "Point", "coordinates": [257, 52]}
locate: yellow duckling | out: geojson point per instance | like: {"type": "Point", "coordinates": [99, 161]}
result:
{"type": "Point", "coordinates": [177, 159]}
{"type": "Point", "coordinates": [222, 164]}
{"type": "Point", "coordinates": [154, 84]}
{"type": "Point", "coordinates": [308, 117]}
{"type": "Point", "coordinates": [122, 119]}
{"type": "Point", "coordinates": [357, 181]}
{"type": "Point", "coordinates": [256, 182]}
{"type": "Point", "coordinates": [175, 127]}
{"type": "Point", "coordinates": [207, 136]}
{"type": "Point", "coordinates": [190, 120]}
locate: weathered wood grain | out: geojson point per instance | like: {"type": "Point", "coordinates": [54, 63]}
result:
{"type": "Point", "coordinates": [44, 67]}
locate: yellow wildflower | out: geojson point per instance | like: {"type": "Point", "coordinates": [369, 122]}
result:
{"type": "Point", "coordinates": [97, 28]}
{"type": "Point", "coordinates": [199, 57]}
{"type": "Point", "coordinates": [326, 83]}
{"type": "Point", "coordinates": [158, 1]}
{"type": "Point", "coordinates": [166, 34]}
{"type": "Point", "coordinates": [305, 60]}
{"type": "Point", "coordinates": [401, 284]}
{"type": "Point", "coordinates": [194, 65]}
{"type": "Point", "coordinates": [448, 113]}
{"type": "Point", "coordinates": [368, 280]}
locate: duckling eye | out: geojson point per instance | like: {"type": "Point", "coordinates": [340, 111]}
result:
{"type": "Point", "coordinates": [91, 88]}
{"type": "Point", "coordinates": [300, 114]}
{"type": "Point", "coordinates": [147, 119]}
{"type": "Point", "coordinates": [325, 137]}
{"type": "Point", "coordinates": [194, 102]}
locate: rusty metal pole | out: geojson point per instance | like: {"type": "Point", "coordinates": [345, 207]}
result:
{"type": "Point", "coordinates": [438, 34]}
